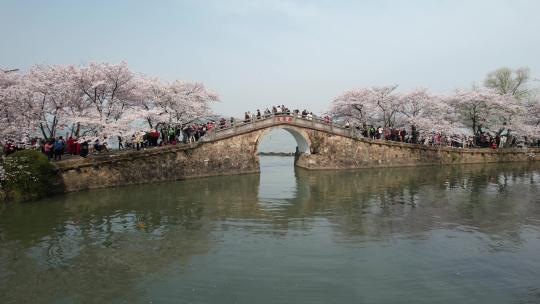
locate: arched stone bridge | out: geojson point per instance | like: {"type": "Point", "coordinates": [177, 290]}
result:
{"type": "Point", "coordinates": [233, 150]}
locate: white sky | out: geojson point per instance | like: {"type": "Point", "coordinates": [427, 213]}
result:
{"type": "Point", "coordinates": [299, 53]}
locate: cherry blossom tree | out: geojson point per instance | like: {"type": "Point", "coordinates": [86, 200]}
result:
{"type": "Point", "coordinates": [368, 105]}
{"type": "Point", "coordinates": [18, 114]}
{"type": "Point", "coordinates": [7, 82]}
{"type": "Point", "coordinates": [425, 112]}
{"type": "Point", "coordinates": [475, 107]}
{"type": "Point", "coordinates": [533, 110]}
{"type": "Point", "coordinates": [517, 109]}
{"type": "Point", "coordinates": [55, 94]}
{"type": "Point", "coordinates": [354, 105]}
{"type": "Point", "coordinates": [508, 112]}
{"type": "Point", "coordinates": [100, 99]}
{"type": "Point", "coordinates": [486, 110]}
{"type": "Point", "coordinates": [107, 90]}
{"type": "Point", "coordinates": [530, 120]}
{"type": "Point", "coordinates": [185, 101]}
{"type": "Point", "coordinates": [9, 78]}
{"type": "Point", "coordinates": [148, 92]}
{"type": "Point", "coordinates": [159, 102]}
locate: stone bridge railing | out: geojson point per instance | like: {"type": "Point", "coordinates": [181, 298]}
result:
{"type": "Point", "coordinates": [314, 123]}
{"type": "Point", "coordinates": [319, 124]}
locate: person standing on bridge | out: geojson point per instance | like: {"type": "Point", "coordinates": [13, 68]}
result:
{"type": "Point", "coordinates": [258, 114]}
{"type": "Point", "coordinates": [139, 140]}
{"type": "Point", "coordinates": [172, 135]}
{"type": "Point", "coordinates": [222, 123]}
{"type": "Point", "coordinates": [327, 119]}
{"type": "Point", "coordinates": [84, 148]}
{"type": "Point", "coordinates": [47, 148]}
{"type": "Point", "coordinates": [120, 143]}
{"type": "Point", "coordinates": [59, 145]}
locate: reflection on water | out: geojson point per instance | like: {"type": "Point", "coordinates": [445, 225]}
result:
{"type": "Point", "coordinates": [277, 181]}
{"type": "Point", "coordinates": [424, 235]}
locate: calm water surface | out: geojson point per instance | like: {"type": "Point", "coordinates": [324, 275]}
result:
{"type": "Point", "coordinates": [420, 235]}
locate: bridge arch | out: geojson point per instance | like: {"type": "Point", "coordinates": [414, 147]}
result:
{"type": "Point", "coordinates": [300, 136]}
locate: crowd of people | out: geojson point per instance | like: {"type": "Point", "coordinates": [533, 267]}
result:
{"type": "Point", "coordinates": [501, 139]}
{"type": "Point", "coordinates": [56, 148]}
{"type": "Point", "coordinates": [167, 135]}
{"type": "Point", "coordinates": [276, 110]}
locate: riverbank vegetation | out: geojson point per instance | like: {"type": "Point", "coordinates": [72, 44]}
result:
{"type": "Point", "coordinates": [504, 105]}
{"type": "Point", "coordinates": [26, 175]}
{"type": "Point", "coordinates": [99, 99]}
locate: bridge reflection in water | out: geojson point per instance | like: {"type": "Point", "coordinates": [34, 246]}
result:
{"type": "Point", "coordinates": [429, 233]}
{"type": "Point", "coordinates": [273, 190]}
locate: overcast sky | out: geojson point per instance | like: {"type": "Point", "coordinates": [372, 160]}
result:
{"type": "Point", "coordinates": [299, 53]}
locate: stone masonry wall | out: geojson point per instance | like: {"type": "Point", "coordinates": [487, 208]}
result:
{"type": "Point", "coordinates": [339, 152]}
{"type": "Point", "coordinates": [160, 164]}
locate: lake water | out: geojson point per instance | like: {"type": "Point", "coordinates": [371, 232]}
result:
{"type": "Point", "coordinates": [451, 234]}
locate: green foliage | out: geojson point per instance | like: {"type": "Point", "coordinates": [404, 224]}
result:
{"type": "Point", "coordinates": [508, 81]}
{"type": "Point", "coordinates": [28, 175]}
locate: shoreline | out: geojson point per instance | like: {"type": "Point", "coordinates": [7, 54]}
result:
{"type": "Point", "coordinates": [286, 154]}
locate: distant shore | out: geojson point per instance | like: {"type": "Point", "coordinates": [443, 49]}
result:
{"type": "Point", "coordinates": [276, 153]}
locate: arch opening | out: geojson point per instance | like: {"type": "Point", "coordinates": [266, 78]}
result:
{"type": "Point", "coordinates": [300, 138]}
